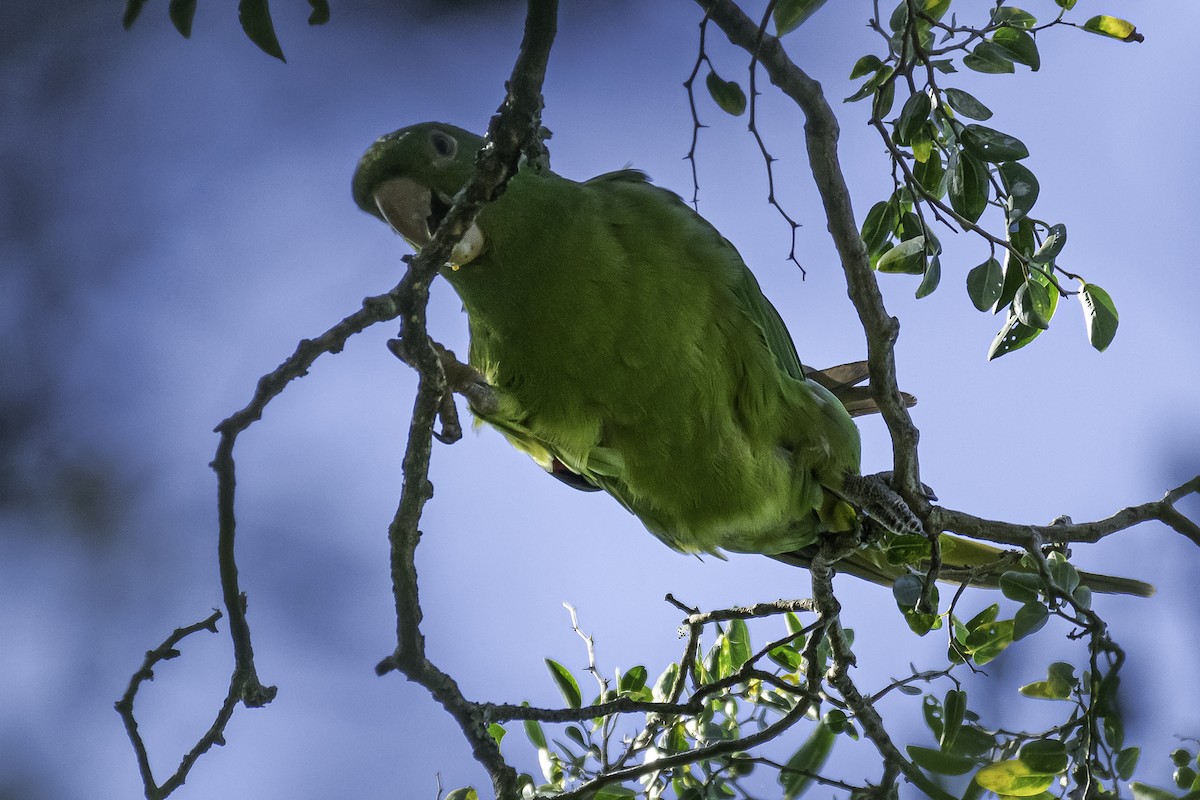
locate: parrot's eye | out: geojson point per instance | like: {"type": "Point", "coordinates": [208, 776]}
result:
{"type": "Point", "coordinates": [443, 144]}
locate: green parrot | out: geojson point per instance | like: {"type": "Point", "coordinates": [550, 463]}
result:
{"type": "Point", "coordinates": [619, 340]}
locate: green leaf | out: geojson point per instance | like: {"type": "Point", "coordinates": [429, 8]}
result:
{"type": "Point", "coordinates": [865, 66]}
{"type": "Point", "coordinates": [966, 104]}
{"type": "Point", "coordinates": [992, 145]}
{"type": "Point", "coordinates": [133, 8]}
{"type": "Point", "coordinates": [1143, 791]}
{"type": "Point", "coordinates": [796, 776]}
{"type": "Point", "coordinates": [879, 225]}
{"type": "Point", "coordinates": [933, 274]}
{"type": "Point", "coordinates": [565, 682]}
{"type": "Point", "coordinates": [1020, 586]}
{"type": "Point", "coordinates": [907, 590]}
{"type": "Point", "coordinates": [968, 185]}
{"type": "Point", "coordinates": [738, 637]}
{"type": "Point", "coordinates": [1060, 680]}
{"type": "Point", "coordinates": [787, 657]}
{"type": "Point", "coordinates": [181, 13]}
{"type": "Point", "coordinates": [1030, 618]}
{"type": "Point", "coordinates": [533, 731]}
{"type": "Point", "coordinates": [497, 732]}
{"type": "Point", "coordinates": [1052, 245]}
{"type": "Point", "coordinates": [1127, 762]}
{"type": "Point", "coordinates": [1100, 315]}
{"type": "Point", "coordinates": [1012, 336]}
{"type": "Point", "coordinates": [1063, 572]}
{"type": "Point", "coordinates": [913, 115]}
{"type": "Point", "coordinates": [985, 617]}
{"type": "Point", "coordinates": [1044, 756]}
{"type": "Point", "coordinates": [791, 14]}
{"type": "Point", "coordinates": [1012, 778]}
{"type": "Point", "coordinates": [922, 143]}
{"type": "Point", "coordinates": [1032, 305]}
{"type": "Point", "coordinates": [1022, 189]}
{"type": "Point", "coordinates": [939, 761]}
{"type": "Point", "coordinates": [988, 642]}
{"type": "Point", "coordinates": [320, 12]}
{"type": "Point", "coordinates": [929, 174]}
{"type": "Point", "coordinates": [989, 59]}
{"type": "Point", "coordinates": [882, 106]}
{"type": "Point", "coordinates": [906, 257]}
{"type": "Point", "coordinates": [611, 792]}
{"type": "Point", "coordinates": [466, 793]}
{"type": "Point", "coordinates": [665, 682]}
{"type": "Point", "coordinates": [1114, 27]}
{"type": "Point", "coordinates": [954, 711]}
{"type": "Point", "coordinates": [634, 680]}
{"type": "Point", "coordinates": [984, 284]}
{"type": "Point", "coordinates": [794, 626]}
{"type": "Point", "coordinates": [907, 549]}
{"type": "Point", "coordinates": [1018, 46]}
{"type": "Point", "coordinates": [255, 19]}
{"type": "Point", "coordinates": [1066, 4]}
{"type": "Point", "coordinates": [728, 95]}
{"type": "Point", "coordinates": [1013, 17]}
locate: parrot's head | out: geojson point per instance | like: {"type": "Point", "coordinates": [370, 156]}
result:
{"type": "Point", "coordinates": [409, 178]}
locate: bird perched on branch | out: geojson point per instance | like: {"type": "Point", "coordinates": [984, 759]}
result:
{"type": "Point", "coordinates": [620, 341]}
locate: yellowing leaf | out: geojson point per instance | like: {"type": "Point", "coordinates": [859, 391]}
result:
{"type": "Point", "coordinates": [1012, 778]}
{"type": "Point", "coordinates": [1115, 27]}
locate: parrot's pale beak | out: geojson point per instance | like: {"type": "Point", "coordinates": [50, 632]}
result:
{"type": "Point", "coordinates": [414, 212]}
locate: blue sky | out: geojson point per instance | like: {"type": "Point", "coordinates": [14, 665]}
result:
{"type": "Point", "coordinates": [177, 215]}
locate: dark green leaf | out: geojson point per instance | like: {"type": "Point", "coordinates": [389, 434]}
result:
{"type": "Point", "coordinates": [1013, 17]}
{"type": "Point", "coordinates": [1030, 618]}
{"type": "Point", "coordinates": [940, 761]}
{"type": "Point", "coordinates": [985, 617]}
{"type": "Point", "coordinates": [882, 106]}
{"type": "Point", "coordinates": [1020, 238]}
{"type": "Point", "coordinates": [181, 13]}
{"type": "Point", "coordinates": [728, 95]}
{"type": "Point", "coordinates": [133, 8]}
{"type": "Point", "coordinates": [1052, 245]}
{"type": "Point", "coordinates": [1018, 46]}
{"type": "Point", "coordinates": [929, 174]}
{"type": "Point", "coordinates": [865, 66]}
{"type": "Point", "coordinates": [1066, 4]}
{"type": "Point", "coordinates": [943, 65]}
{"type": "Point", "coordinates": [1020, 586]}
{"type": "Point", "coordinates": [1180, 758]}
{"type": "Point", "coordinates": [1063, 572]}
{"type": "Point", "coordinates": [934, 713]}
{"type": "Point", "coordinates": [912, 116]}
{"type": "Point", "coordinates": [933, 274]}
{"type": "Point", "coordinates": [907, 590]}
{"type": "Point", "coordinates": [787, 657]}
{"type": "Point", "coordinates": [1185, 777]}
{"type": "Point", "coordinates": [991, 145]}
{"type": "Point", "coordinates": [320, 12]}
{"type": "Point", "coordinates": [879, 225]}
{"type": "Point", "coordinates": [954, 711]}
{"type": "Point", "coordinates": [1032, 305]}
{"type": "Point", "coordinates": [1100, 315]}
{"type": "Point", "coordinates": [966, 104]}
{"type": "Point", "coordinates": [1114, 27]}
{"type": "Point", "coordinates": [255, 18]}
{"type": "Point", "coordinates": [565, 682]}
{"type": "Point", "coordinates": [796, 776]}
{"type": "Point", "coordinates": [983, 287]}
{"type": "Point", "coordinates": [968, 186]}
{"type": "Point", "coordinates": [611, 792]}
{"type": "Point", "coordinates": [791, 14]}
{"type": "Point", "coordinates": [1012, 336]}
{"type": "Point", "coordinates": [1127, 762]}
{"type": "Point", "coordinates": [989, 59]}
{"type": "Point", "coordinates": [1044, 756]}
{"type": "Point", "coordinates": [1022, 188]}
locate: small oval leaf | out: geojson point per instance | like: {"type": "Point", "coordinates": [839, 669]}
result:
{"type": "Point", "coordinates": [1100, 315]}
{"type": "Point", "coordinates": [728, 95]}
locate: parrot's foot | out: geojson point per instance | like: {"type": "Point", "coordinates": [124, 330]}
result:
{"type": "Point", "coordinates": [460, 379]}
{"type": "Point", "coordinates": [878, 500]}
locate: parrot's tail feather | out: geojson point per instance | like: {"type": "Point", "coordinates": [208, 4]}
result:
{"type": "Point", "coordinates": [843, 381]}
{"type": "Point", "coordinates": [860, 565]}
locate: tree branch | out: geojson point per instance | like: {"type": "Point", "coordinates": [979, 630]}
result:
{"type": "Point", "coordinates": [821, 135]}
{"type": "Point", "coordinates": [512, 133]}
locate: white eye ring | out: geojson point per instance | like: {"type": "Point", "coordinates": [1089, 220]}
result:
{"type": "Point", "coordinates": [443, 144]}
